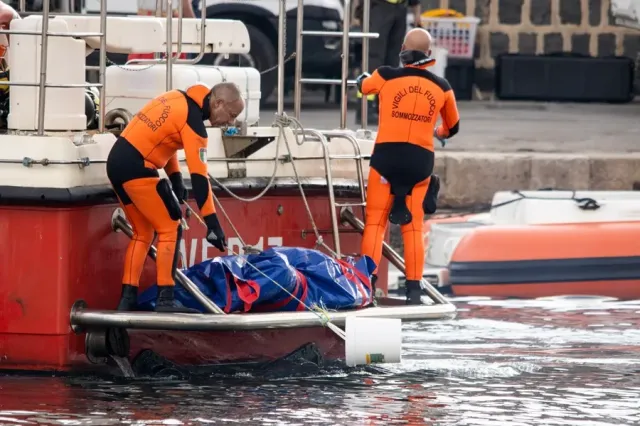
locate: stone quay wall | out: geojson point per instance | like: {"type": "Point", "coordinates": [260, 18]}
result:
{"type": "Point", "coordinates": [539, 27]}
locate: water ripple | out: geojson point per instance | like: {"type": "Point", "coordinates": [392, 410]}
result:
{"type": "Point", "coordinates": [552, 361]}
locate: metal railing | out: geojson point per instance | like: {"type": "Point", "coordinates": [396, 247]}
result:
{"type": "Point", "coordinates": [394, 257]}
{"type": "Point", "coordinates": [314, 135]}
{"type": "Point", "coordinates": [322, 137]}
{"type": "Point", "coordinates": [346, 35]}
{"type": "Point", "coordinates": [42, 83]}
{"type": "Point", "coordinates": [102, 53]}
{"type": "Point", "coordinates": [170, 59]}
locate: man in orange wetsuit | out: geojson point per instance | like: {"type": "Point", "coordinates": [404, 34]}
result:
{"type": "Point", "coordinates": [410, 100]}
{"type": "Point", "coordinates": [171, 121]}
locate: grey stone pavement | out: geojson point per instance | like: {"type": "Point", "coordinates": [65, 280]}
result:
{"type": "Point", "coordinates": [513, 126]}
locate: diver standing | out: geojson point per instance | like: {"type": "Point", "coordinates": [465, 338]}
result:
{"type": "Point", "coordinates": [399, 187]}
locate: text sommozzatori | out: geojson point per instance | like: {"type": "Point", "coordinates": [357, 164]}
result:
{"type": "Point", "coordinates": [415, 90]}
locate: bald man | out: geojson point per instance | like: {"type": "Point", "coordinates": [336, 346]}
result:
{"type": "Point", "coordinates": [172, 121]}
{"type": "Point", "coordinates": [411, 98]}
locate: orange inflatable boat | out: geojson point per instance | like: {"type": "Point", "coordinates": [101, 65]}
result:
{"type": "Point", "coordinates": [548, 260]}
{"type": "Point", "coordinates": [541, 243]}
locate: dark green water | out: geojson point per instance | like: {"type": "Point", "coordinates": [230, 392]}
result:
{"type": "Point", "coordinates": [542, 362]}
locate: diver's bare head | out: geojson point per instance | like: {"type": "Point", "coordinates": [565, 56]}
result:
{"type": "Point", "coordinates": [418, 39]}
{"type": "Point", "coordinates": [225, 104]}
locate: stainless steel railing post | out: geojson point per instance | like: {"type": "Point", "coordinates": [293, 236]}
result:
{"type": "Point", "coordinates": [43, 66]}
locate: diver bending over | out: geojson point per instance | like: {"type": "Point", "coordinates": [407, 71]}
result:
{"type": "Point", "coordinates": [400, 187]}
{"type": "Point", "coordinates": [172, 121]}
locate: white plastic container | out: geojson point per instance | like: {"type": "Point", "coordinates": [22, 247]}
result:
{"type": "Point", "coordinates": [373, 341]}
{"type": "Point", "coordinates": [64, 107]}
{"type": "Point", "coordinates": [132, 86]}
{"type": "Point", "coordinates": [457, 35]}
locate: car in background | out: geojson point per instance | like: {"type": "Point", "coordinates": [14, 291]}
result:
{"type": "Point", "coordinates": [321, 55]}
{"type": "Point", "coordinates": [36, 5]}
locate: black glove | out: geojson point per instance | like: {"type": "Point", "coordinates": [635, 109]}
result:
{"type": "Point", "coordinates": [360, 79]}
{"type": "Point", "coordinates": [177, 184]}
{"type": "Point", "coordinates": [215, 236]}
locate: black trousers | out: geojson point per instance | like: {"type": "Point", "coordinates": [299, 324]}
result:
{"type": "Point", "coordinates": [390, 22]}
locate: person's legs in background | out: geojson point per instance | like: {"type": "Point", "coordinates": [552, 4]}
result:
{"type": "Point", "coordinates": [196, 8]}
{"type": "Point", "coordinates": [380, 21]}
{"type": "Point", "coordinates": [398, 29]}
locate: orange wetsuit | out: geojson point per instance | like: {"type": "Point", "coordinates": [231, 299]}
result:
{"type": "Point", "coordinates": [171, 121]}
{"type": "Point", "coordinates": [410, 100]}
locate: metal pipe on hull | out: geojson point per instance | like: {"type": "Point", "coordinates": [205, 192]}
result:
{"type": "Point", "coordinates": [393, 257]}
{"type": "Point", "coordinates": [120, 223]}
{"type": "Point", "coordinates": [86, 319]}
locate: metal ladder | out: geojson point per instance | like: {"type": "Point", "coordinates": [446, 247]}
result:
{"type": "Point", "coordinates": [347, 215]}
{"type": "Point", "coordinates": [346, 35]}
{"type": "Point", "coordinates": [324, 136]}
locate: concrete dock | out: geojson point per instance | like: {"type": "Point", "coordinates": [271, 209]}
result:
{"type": "Point", "coordinates": [525, 145]}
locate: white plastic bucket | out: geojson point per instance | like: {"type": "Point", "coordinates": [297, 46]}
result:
{"type": "Point", "coordinates": [373, 341]}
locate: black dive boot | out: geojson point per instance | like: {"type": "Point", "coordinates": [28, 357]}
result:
{"type": "Point", "coordinates": [374, 279]}
{"type": "Point", "coordinates": [431, 198]}
{"type": "Point", "coordinates": [166, 302]}
{"type": "Point", "coordinates": [128, 299]}
{"type": "Point", "coordinates": [414, 292]}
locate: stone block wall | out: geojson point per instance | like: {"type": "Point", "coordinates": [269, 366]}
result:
{"type": "Point", "coordinates": [541, 26]}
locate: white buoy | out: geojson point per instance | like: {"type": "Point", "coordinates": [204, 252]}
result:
{"type": "Point", "coordinates": [373, 341]}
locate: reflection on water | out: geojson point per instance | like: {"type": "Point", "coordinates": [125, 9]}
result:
{"type": "Point", "coordinates": [538, 362]}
